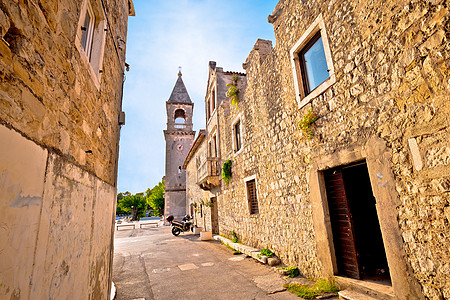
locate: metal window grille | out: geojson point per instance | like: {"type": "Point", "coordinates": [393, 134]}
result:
{"type": "Point", "coordinates": [251, 194]}
{"type": "Point", "coordinates": [237, 136]}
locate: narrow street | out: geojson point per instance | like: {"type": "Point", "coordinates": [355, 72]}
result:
{"type": "Point", "coordinates": [151, 263]}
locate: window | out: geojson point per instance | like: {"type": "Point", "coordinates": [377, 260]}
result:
{"type": "Point", "coordinates": [212, 147]}
{"type": "Point", "coordinates": [208, 110]}
{"type": "Point", "coordinates": [237, 136]}
{"type": "Point", "coordinates": [312, 65]}
{"type": "Point", "coordinates": [214, 140]}
{"type": "Point", "coordinates": [213, 100]}
{"type": "Point", "coordinates": [91, 36]}
{"type": "Point", "coordinates": [252, 199]}
{"type": "Point", "coordinates": [210, 104]}
{"type": "Point", "coordinates": [88, 31]}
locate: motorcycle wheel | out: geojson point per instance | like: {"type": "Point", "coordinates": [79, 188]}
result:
{"type": "Point", "coordinates": [176, 231]}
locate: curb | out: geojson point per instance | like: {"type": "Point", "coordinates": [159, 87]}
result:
{"type": "Point", "coordinates": [250, 251]}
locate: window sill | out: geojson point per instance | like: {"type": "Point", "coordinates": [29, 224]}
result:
{"type": "Point", "coordinates": [236, 153]}
{"type": "Point", "coordinates": [317, 91]}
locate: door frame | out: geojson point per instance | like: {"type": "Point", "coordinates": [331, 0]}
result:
{"type": "Point", "coordinates": [378, 159]}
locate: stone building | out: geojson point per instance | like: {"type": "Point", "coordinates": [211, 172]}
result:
{"type": "Point", "coordinates": [179, 136]}
{"type": "Point", "coordinates": [62, 70]}
{"type": "Point", "coordinates": [362, 192]}
{"type": "Point", "coordinates": [202, 164]}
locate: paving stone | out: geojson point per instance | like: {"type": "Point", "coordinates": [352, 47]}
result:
{"type": "Point", "coordinates": [187, 267]}
{"type": "Point", "coordinates": [270, 283]}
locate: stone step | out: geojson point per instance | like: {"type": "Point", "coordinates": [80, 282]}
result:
{"type": "Point", "coordinates": [369, 290]}
{"type": "Point", "coordinates": [352, 295]}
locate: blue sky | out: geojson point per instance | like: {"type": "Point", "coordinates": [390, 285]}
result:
{"type": "Point", "coordinates": [164, 35]}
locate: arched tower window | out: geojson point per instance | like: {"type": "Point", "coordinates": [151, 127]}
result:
{"type": "Point", "coordinates": [180, 118]}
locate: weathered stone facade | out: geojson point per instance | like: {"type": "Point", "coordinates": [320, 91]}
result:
{"type": "Point", "coordinates": [194, 193]}
{"type": "Point", "coordinates": [203, 163]}
{"type": "Point", "coordinates": [386, 103]}
{"type": "Point", "coordinates": [59, 131]}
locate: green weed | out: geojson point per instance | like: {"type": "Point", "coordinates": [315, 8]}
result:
{"type": "Point", "coordinates": [312, 291]}
{"type": "Point", "coordinates": [234, 237]}
{"type": "Point", "coordinates": [294, 272]}
{"type": "Point", "coordinates": [266, 252]}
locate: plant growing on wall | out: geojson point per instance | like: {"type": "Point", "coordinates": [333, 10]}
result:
{"type": "Point", "coordinates": [307, 121]}
{"type": "Point", "coordinates": [233, 91]}
{"type": "Point", "coordinates": [226, 171]}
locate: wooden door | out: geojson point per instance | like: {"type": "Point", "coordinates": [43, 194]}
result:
{"type": "Point", "coordinates": [342, 224]}
{"type": "Point", "coordinates": [214, 216]}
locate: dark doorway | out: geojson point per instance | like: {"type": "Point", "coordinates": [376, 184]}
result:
{"type": "Point", "coordinates": [214, 216]}
{"type": "Point", "coordinates": [357, 239]}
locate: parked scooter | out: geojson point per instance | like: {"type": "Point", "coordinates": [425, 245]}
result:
{"type": "Point", "coordinates": [178, 227]}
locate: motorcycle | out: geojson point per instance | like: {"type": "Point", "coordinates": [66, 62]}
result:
{"type": "Point", "coordinates": [178, 227]}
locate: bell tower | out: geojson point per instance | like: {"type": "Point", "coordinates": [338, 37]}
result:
{"type": "Point", "coordinates": [179, 138]}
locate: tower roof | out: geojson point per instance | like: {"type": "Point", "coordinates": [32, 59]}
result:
{"type": "Point", "coordinates": [179, 92]}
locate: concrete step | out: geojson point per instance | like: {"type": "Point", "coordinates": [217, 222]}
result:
{"type": "Point", "coordinates": [352, 295]}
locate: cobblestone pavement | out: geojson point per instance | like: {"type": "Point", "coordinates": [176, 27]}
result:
{"type": "Point", "coordinates": [151, 263]}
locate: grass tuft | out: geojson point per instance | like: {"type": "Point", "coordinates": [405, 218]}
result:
{"type": "Point", "coordinates": [265, 252]}
{"type": "Point", "coordinates": [293, 271]}
{"type": "Point", "coordinates": [312, 291]}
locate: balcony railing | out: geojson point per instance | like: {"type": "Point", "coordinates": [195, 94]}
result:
{"type": "Point", "coordinates": [208, 173]}
{"type": "Point", "coordinates": [179, 126]}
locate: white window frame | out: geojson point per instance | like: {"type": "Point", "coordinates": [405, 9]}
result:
{"type": "Point", "coordinates": [313, 29]}
{"type": "Point", "coordinates": [89, 31]}
{"type": "Point", "coordinates": [252, 177]}
{"type": "Point", "coordinates": [211, 101]}
{"type": "Point", "coordinates": [92, 56]}
{"type": "Point", "coordinates": [235, 121]}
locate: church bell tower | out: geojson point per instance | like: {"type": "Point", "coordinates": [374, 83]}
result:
{"type": "Point", "coordinates": [179, 138]}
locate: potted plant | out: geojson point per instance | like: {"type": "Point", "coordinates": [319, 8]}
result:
{"type": "Point", "coordinates": [206, 235]}
{"type": "Point", "coordinates": [196, 207]}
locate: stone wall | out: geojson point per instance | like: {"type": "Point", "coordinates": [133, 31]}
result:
{"type": "Point", "coordinates": [194, 194]}
{"type": "Point", "coordinates": [47, 91]}
{"type": "Point", "coordinates": [58, 157]}
{"type": "Point", "coordinates": [391, 63]}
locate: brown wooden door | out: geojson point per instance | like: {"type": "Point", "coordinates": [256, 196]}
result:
{"type": "Point", "coordinates": [214, 216]}
{"type": "Point", "coordinates": [342, 225]}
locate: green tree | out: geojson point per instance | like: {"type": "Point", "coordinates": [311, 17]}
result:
{"type": "Point", "coordinates": [134, 204]}
{"type": "Point", "coordinates": [155, 198]}
{"type": "Point", "coordinates": [119, 211]}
